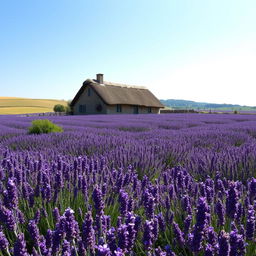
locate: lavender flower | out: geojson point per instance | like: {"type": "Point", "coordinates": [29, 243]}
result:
{"type": "Point", "coordinates": [209, 250]}
{"type": "Point", "coordinates": [3, 242]}
{"type": "Point", "coordinates": [212, 236]}
{"type": "Point", "coordinates": [123, 201]}
{"type": "Point", "coordinates": [71, 225]}
{"type": "Point", "coordinates": [11, 195]}
{"type": "Point", "coordinates": [56, 214]}
{"type": "Point", "coordinates": [179, 236]}
{"type": "Point", "coordinates": [19, 248]}
{"type": "Point", "coordinates": [7, 218]}
{"type": "Point", "coordinates": [187, 223]}
{"type": "Point", "coordinates": [103, 250]}
{"type": "Point", "coordinates": [148, 235]}
{"type": "Point", "coordinates": [237, 244]}
{"type": "Point", "coordinates": [111, 239]}
{"type": "Point", "coordinates": [250, 224]}
{"type": "Point", "coordinates": [224, 246]}
{"type": "Point", "coordinates": [219, 209]}
{"type": "Point", "coordinates": [231, 201]}
{"type": "Point", "coordinates": [88, 234]}
{"type": "Point", "coordinates": [34, 232]}
{"type": "Point", "coordinates": [98, 200]}
{"type": "Point", "coordinates": [123, 237]}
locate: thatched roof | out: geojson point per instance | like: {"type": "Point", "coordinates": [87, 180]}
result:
{"type": "Point", "coordinates": [112, 94]}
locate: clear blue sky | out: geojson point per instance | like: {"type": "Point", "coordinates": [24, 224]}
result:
{"type": "Point", "coordinates": [201, 50]}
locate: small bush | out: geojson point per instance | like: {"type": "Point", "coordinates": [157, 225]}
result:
{"type": "Point", "coordinates": [43, 126]}
{"type": "Point", "coordinates": [59, 108]}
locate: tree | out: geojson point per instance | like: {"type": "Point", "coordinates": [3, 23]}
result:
{"type": "Point", "coordinates": [59, 108]}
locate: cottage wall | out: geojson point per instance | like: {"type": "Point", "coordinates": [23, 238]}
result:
{"type": "Point", "coordinates": [128, 109]}
{"type": "Point", "coordinates": [91, 103]}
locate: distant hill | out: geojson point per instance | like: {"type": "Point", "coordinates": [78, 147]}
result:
{"type": "Point", "coordinates": [188, 104]}
{"type": "Point", "coordinates": [13, 105]}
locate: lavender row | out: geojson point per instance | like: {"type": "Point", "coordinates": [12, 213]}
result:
{"type": "Point", "coordinates": [83, 206]}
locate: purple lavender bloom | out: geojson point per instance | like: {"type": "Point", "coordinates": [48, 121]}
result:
{"type": "Point", "coordinates": [252, 189]}
{"type": "Point", "coordinates": [81, 250]}
{"type": "Point", "coordinates": [19, 248]}
{"type": "Point", "coordinates": [186, 204]}
{"type": "Point", "coordinates": [161, 221]}
{"type": "Point", "coordinates": [137, 223]}
{"type": "Point", "coordinates": [34, 232]}
{"type": "Point", "coordinates": [220, 211]}
{"type": "Point", "coordinates": [71, 225]}
{"type": "Point", "coordinates": [159, 252]}
{"type": "Point", "coordinates": [58, 181]}
{"type": "Point", "coordinates": [111, 239]}
{"type": "Point", "coordinates": [48, 238]}
{"type": "Point", "coordinates": [58, 234]}
{"type": "Point", "coordinates": [88, 234]}
{"type": "Point", "coordinates": [11, 195]}
{"type": "Point", "coordinates": [195, 240]}
{"type": "Point", "coordinates": [3, 242]}
{"type": "Point", "coordinates": [155, 230]}
{"type": "Point", "coordinates": [187, 223]}
{"type": "Point", "coordinates": [239, 212]}
{"type": "Point", "coordinates": [209, 250]}
{"type": "Point", "coordinates": [103, 250]}
{"type": "Point", "coordinates": [149, 204]}
{"type": "Point", "coordinates": [237, 244]}
{"type": "Point", "coordinates": [178, 234]}
{"type": "Point", "coordinates": [119, 252]}
{"type": "Point", "coordinates": [231, 201]}
{"type": "Point", "coordinates": [66, 248]}
{"type": "Point", "coordinates": [148, 235]}
{"type": "Point", "coordinates": [56, 214]}
{"type": "Point", "coordinates": [131, 235]}
{"type": "Point", "coordinates": [202, 214]}
{"type": "Point", "coordinates": [212, 237]}
{"type": "Point", "coordinates": [7, 218]}
{"type": "Point", "coordinates": [20, 216]}
{"type": "Point", "coordinates": [123, 237]}
{"type": "Point", "coordinates": [130, 206]}
{"type": "Point", "coordinates": [98, 200]}
{"type": "Point", "coordinates": [250, 223]}
{"type": "Point", "coordinates": [123, 201]}
{"type": "Point", "coordinates": [224, 246]}
{"type": "Point", "coordinates": [37, 216]}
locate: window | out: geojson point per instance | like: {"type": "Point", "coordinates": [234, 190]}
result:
{"type": "Point", "coordinates": [82, 108]}
{"type": "Point", "coordinates": [98, 107]}
{"type": "Point", "coordinates": [119, 108]}
{"type": "Point", "coordinates": [149, 110]}
{"type": "Point", "coordinates": [136, 109]}
{"type": "Point", "coordinates": [89, 92]}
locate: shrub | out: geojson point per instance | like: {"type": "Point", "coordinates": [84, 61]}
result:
{"type": "Point", "coordinates": [59, 108]}
{"type": "Point", "coordinates": [44, 126]}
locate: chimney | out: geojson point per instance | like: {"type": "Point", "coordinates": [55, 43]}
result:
{"type": "Point", "coordinates": [100, 78]}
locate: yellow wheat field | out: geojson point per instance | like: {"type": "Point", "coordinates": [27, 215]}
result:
{"type": "Point", "coordinates": [13, 105]}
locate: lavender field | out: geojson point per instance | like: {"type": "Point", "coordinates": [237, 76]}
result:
{"type": "Point", "coordinates": [174, 184]}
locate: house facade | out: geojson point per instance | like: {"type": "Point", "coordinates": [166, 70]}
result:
{"type": "Point", "coordinates": [99, 97]}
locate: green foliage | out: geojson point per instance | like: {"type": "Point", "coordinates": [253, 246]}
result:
{"type": "Point", "coordinates": [44, 126]}
{"type": "Point", "coordinates": [235, 112]}
{"type": "Point", "coordinates": [68, 107]}
{"type": "Point", "coordinates": [59, 108]}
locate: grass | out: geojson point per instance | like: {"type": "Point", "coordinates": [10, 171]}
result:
{"type": "Point", "coordinates": [13, 105]}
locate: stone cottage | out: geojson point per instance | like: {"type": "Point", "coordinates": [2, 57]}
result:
{"type": "Point", "coordinates": [100, 97]}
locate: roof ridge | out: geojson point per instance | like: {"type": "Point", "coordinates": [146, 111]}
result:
{"type": "Point", "coordinates": [124, 85]}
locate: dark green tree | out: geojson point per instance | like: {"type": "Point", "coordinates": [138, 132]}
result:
{"type": "Point", "coordinates": [59, 108]}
